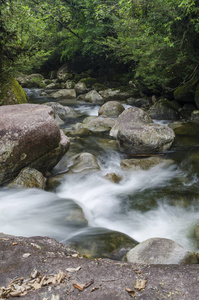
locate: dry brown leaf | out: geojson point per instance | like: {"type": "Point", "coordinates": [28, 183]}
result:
{"type": "Point", "coordinates": [74, 255]}
{"type": "Point", "coordinates": [80, 287]}
{"type": "Point", "coordinates": [140, 284]}
{"type": "Point", "coordinates": [95, 288]}
{"type": "Point", "coordinates": [15, 293]}
{"type": "Point", "coordinates": [131, 292]}
{"type": "Point", "coordinates": [15, 243]}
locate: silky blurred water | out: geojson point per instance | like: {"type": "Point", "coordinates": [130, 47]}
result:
{"type": "Point", "coordinates": [159, 202]}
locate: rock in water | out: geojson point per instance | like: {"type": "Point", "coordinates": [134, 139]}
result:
{"type": "Point", "coordinates": [160, 251]}
{"type": "Point", "coordinates": [137, 134]}
{"type": "Point", "coordinates": [29, 136]}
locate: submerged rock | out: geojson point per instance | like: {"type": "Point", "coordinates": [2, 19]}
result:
{"type": "Point", "coordinates": [29, 136]}
{"type": "Point", "coordinates": [144, 163]}
{"type": "Point", "coordinates": [101, 242]}
{"type": "Point", "coordinates": [160, 251]}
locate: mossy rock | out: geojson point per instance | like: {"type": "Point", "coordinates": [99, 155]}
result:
{"type": "Point", "coordinates": [186, 92]}
{"type": "Point", "coordinates": [88, 81]}
{"type": "Point", "coordinates": [10, 91]}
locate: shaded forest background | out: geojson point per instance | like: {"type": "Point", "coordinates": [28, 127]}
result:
{"type": "Point", "coordinates": [155, 44]}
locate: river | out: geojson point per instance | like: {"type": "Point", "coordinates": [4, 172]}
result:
{"type": "Point", "coordinates": [160, 202]}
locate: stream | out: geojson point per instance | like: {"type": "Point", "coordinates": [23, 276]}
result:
{"type": "Point", "coordinates": [159, 202]}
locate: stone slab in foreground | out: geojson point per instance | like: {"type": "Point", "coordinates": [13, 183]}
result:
{"type": "Point", "coordinates": [100, 279]}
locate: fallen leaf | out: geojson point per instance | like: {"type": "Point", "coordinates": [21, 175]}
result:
{"type": "Point", "coordinates": [73, 269]}
{"type": "Point", "coordinates": [80, 287]}
{"type": "Point", "coordinates": [140, 284]}
{"type": "Point", "coordinates": [26, 255]}
{"type": "Point", "coordinates": [131, 292]}
{"type": "Point", "coordinates": [15, 243]}
{"type": "Point", "coordinates": [94, 289]}
{"type": "Point", "coordinates": [74, 255]}
{"type": "Point", "coordinates": [83, 286]}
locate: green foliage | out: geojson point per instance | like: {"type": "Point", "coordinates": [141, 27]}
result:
{"type": "Point", "coordinates": [155, 42]}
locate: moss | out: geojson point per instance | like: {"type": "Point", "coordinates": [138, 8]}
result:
{"type": "Point", "coordinates": [88, 81]}
{"type": "Point", "coordinates": [186, 93]}
{"type": "Point", "coordinates": [10, 91]}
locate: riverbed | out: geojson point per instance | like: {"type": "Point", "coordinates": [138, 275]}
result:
{"type": "Point", "coordinates": [159, 202]}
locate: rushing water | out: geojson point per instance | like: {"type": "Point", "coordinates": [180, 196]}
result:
{"type": "Point", "coordinates": [160, 202]}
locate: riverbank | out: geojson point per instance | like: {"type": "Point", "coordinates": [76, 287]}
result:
{"type": "Point", "coordinates": [83, 278]}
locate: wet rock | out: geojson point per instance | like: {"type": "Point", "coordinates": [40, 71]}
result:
{"type": "Point", "coordinates": [160, 251]}
{"type": "Point", "coordinates": [101, 242]}
{"type": "Point", "coordinates": [137, 134]}
{"type": "Point", "coordinates": [143, 163]}
{"type": "Point", "coordinates": [130, 116]}
{"type": "Point", "coordinates": [64, 93]}
{"type": "Point", "coordinates": [53, 86]}
{"type": "Point", "coordinates": [64, 73]}
{"type": "Point", "coordinates": [83, 162]}
{"type": "Point", "coordinates": [31, 81]}
{"type": "Point", "coordinates": [81, 88]}
{"type": "Point", "coordinates": [111, 109]}
{"type": "Point", "coordinates": [164, 110]}
{"type": "Point", "coordinates": [94, 97]}
{"type": "Point", "coordinates": [113, 177]}
{"type": "Point", "coordinates": [29, 136]}
{"type": "Point", "coordinates": [143, 103]}
{"type": "Point", "coordinates": [28, 178]}
{"type": "Point", "coordinates": [98, 124]}
{"type": "Point", "coordinates": [64, 112]}
{"type": "Point", "coordinates": [110, 94]}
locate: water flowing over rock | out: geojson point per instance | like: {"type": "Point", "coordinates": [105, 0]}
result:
{"type": "Point", "coordinates": [160, 251]}
{"type": "Point", "coordinates": [137, 134]}
{"type": "Point", "coordinates": [29, 136]}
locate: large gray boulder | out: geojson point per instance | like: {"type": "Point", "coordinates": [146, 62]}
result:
{"type": "Point", "coordinates": [29, 136]}
{"type": "Point", "coordinates": [137, 134]}
{"type": "Point", "coordinates": [111, 109]}
{"type": "Point", "coordinates": [160, 251]}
